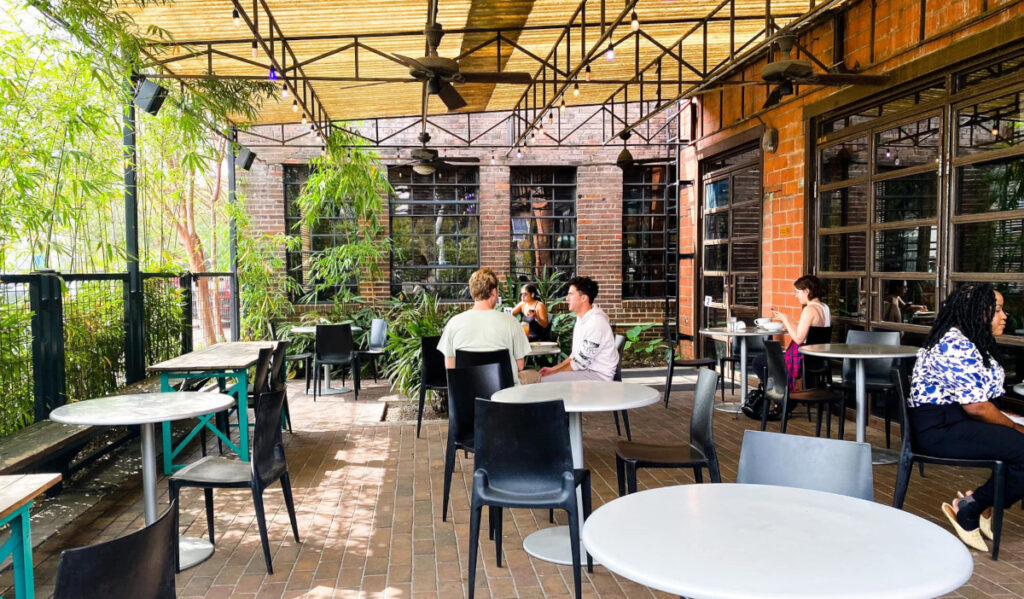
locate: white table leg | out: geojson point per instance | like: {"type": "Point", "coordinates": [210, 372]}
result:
{"type": "Point", "coordinates": [862, 408]}
{"type": "Point", "coordinates": [552, 544]}
{"type": "Point", "coordinates": [327, 389]}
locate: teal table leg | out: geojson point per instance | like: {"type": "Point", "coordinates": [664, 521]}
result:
{"type": "Point", "coordinates": [165, 427]}
{"type": "Point", "coordinates": [242, 392]}
{"type": "Point", "coordinates": [19, 547]}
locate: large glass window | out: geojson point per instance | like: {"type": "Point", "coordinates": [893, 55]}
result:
{"type": "Point", "coordinates": [434, 231]}
{"type": "Point", "coordinates": [731, 234]}
{"type": "Point", "coordinates": [648, 206]}
{"type": "Point", "coordinates": [543, 212]}
{"type": "Point", "coordinates": [328, 232]}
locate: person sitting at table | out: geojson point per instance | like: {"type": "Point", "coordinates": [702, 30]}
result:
{"type": "Point", "coordinates": [894, 305]}
{"type": "Point", "coordinates": [534, 312]}
{"type": "Point", "coordinates": [482, 328]}
{"type": "Point", "coordinates": [593, 357]}
{"type": "Point", "coordinates": [956, 375]}
{"type": "Point", "coordinates": [814, 313]}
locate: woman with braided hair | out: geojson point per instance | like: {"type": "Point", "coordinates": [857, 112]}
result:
{"type": "Point", "coordinates": [956, 376]}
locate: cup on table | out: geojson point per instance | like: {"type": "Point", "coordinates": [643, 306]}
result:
{"type": "Point", "coordinates": [731, 325]}
{"type": "Point", "coordinates": [760, 322]}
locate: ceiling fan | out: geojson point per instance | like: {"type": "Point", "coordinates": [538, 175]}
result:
{"type": "Point", "coordinates": [425, 161]}
{"type": "Point", "coordinates": [625, 158]}
{"type": "Point", "coordinates": [439, 73]}
{"type": "Point", "coordinates": [787, 71]}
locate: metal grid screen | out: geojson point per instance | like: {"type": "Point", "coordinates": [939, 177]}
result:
{"type": "Point", "coordinates": [16, 383]}
{"type": "Point", "coordinates": [94, 337]}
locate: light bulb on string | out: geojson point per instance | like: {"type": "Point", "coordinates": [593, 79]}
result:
{"type": "Point", "coordinates": [304, 119]}
{"type": "Point", "coordinates": [551, 117]}
{"type": "Point", "coordinates": [493, 159]}
{"type": "Point", "coordinates": [610, 52]}
{"type": "Point", "coordinates": [533, 137]}
{"type": "Point", "coordinates": [888, 153]}
{"type": "Point", "coordinates": [272, 75]}
{"type": "Point", "coordinates": [255, 49]}
{"type": "Point", "coordinates": [586, 74]}
{"type": "Point", "coordinates": [236, 18]}
{"type": "Point", "coordinates": [541, 129]}
{"type": "Point", "coordinates": [519, 153]}
{"type": "Point", "coordinates": [284, 90]}
{"type": "Point", "coordinates": [295, 105]}
{"type": "Point", "coordinates": [575, 89]}
{"type": "Point", "coordinates": [634, 22]}
{"type": "Point", "coordinates": [561, 107]}
{"type": "Point", "coordinates": [995, 131]}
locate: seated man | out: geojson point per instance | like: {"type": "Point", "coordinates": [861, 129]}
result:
{"type": "Point", "coordinates": [593, 357]}
{"type": "Point", "coordinates": [482, 328]}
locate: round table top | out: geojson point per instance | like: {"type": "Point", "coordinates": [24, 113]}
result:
{"type": "Point", "coordinates": [544, 348]}
{"type": "Point", "coordinates": [583, 396]}
{"type": "Point", "coordinates": [747, 332]}
{"type": "Point", "coordinates": [142, 408]}
{"type": "Point", "coordinates": [730, 541]}
{"type": "Point", "coordinates": [859, 350]}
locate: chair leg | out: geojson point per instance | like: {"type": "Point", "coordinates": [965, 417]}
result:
{"type": "Point", "coordinates": [419, 412]}
{"type": "Point", "coordinates": [587, 507]}
{"type": "Point", "coordinates": [631, 475]}
{"type": "Point", "coordinates": [261, 522]}
{"type": "Point", "coordinates": [902, 480]}
{"type": "Point", "coordinates": [785, 413]}
{"type": "Point", "coordinates": [208, 499]}
{"type": "Point", "coordinates": [698, 476]}
{"type": "Point", "coordinates": [997, 508]}
{"type": "Point", "coordinates": [668, 378]}
{"type": "Point", "coordinates": [496, 513]}
{"type": "Point", "coordinates": [551, 516]}
{"type": "Point", "coordinates": [356, 367]}
{"type": "Point", "coordinates": [474, 541]}
{"type": "Point", "coordinates": [828, 423]}
{"type": "Point", "coordinates": [286, 488]}
{"type": "Point", "coordinates": [287, 415]}
{"type": "Point", "coordinates": [625, 425]}
{"type": "Point", "coordinates": [821, 409]}
{"type": "Point", "coordinates": [716, 474]}
{"type": "Point", "coordinates": [574, 542]}
{"type": "Point", "coordinates": [618, 430]}
{"type": "Point", "coordinates": [308, 371]}
{"type": "Point", "coordinates": [449, 469]}
{"type": "Point", "coordinates": [173, 493]}
{"type": "Point", "coordinates": [620, 474]}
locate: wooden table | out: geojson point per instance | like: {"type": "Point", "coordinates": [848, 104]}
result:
{"type": "Point", "coordinates": [221, 361]}
{"type": "Point", "coordinates": [16, 494]}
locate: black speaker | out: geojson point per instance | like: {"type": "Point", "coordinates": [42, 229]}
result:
{"type": "Point", "coordinates": [245, 158]}
{"type": "Point", "coordinates": [150, 96]}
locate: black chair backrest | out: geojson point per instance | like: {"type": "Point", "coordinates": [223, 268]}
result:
{"type": "Point", "coordinates": [755, 346]}
{"type": "Point", "coordinates": [259, 382]}
{"type": "Point", "coordinates": [701, 430]}
{"type": "Point", "coordinates": [432, 370]}
{"type": "Point", "coordinates": [816, 366]}
{"type": "Point", "coordinates": [523, 447]}
{"type": "Point", "coordinates": [873, 369]}
{"type": "Point", "coordinates": [465, 384]}
{"type": "Point", "coordinates": [831, 465]}
{"type": "Point", "coordinates": [620, 347]}
{"type": "Point", "coordinates": [139, 564]}
{"type": "Point", "coordinates": [777, 383]}
{"type": "Point", "coordinates": [272, 329]}
{"type": "Point", "coordinates": [500, 357]}
{"type": "Point", "coordinates": [267, 449]}
{"type": "Point", "coordinates": [278, 368]}
{"type": "Point", "coordinates": [334, 341]}
{"type": "Point", "coordinates": [378, 334]}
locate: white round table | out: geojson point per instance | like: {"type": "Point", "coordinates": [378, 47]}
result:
{"type": "Point", "coordinates": [859, 353]}
{"type": "Point", "coordinates": [328, 389]}
{"type": "Point", "coordinates": [735, 407]}
{"type": "Point", "coordinates": [146, 410]}
{"type": "Point", "coordinates": [795, 543]}
{"type": "Point", "coordinates": [552, 544]}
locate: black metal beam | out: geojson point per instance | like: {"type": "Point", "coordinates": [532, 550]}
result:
{"type": "Point", "coordinates": [134, 310]}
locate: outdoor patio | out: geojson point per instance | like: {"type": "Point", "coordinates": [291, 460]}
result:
{"type": "Point", "coordinates": [368, 496]}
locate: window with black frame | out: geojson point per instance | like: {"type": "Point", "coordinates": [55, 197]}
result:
{"type": "Point", "coordinates": [648, 206]}
{"type": "Point", "coordinates": [543, 211]}
{"type": "Point", "coordinates": [434, 231]}
{"type": "Point", "coordinates": [328, 232]}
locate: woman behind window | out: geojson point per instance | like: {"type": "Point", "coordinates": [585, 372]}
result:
{"type": "Point", "coordinates": [955, 377]}
{"type": "Point", "coordinates": [534, 312]}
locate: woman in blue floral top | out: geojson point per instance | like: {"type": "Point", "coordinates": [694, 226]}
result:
{"type": "Point", "coordinates": [955, 377]}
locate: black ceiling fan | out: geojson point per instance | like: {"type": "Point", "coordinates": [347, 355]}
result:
{"type": "Point", "coordinates": [439, 73]}
{"type": "Point", "coordinates": [787, 71]}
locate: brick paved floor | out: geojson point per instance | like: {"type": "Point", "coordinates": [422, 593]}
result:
{"type": "Point", "coordinates": [368, 497]}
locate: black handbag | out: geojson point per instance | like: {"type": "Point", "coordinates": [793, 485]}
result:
{"type": "Point", "coordinates": [753, 406]}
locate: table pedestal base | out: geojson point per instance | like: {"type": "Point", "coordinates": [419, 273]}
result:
{"type": "Point", "coordinates": [193, 551]}
{"type": "Point", "coordinates": [326, 388]}
{"type": "Point", "coordinates": [729, 407]}
{"type": "Point", "coordinates": [884, 457]}
{"type": "Point", "coordinates": [552, 544]}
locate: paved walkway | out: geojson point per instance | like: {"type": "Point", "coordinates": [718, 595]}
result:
{"type": "Point", "coordinates": [368, 496]}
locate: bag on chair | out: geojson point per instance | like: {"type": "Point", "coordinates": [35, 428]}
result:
{"type": "Point", "coordinates": [753, 406]}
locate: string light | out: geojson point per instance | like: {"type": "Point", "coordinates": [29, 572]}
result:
{"type": "Point", "coordinates": [533, 136]}
{"type": "Point", "coordinates": [541, 129]}
{"type": "Point", "coordinates": [634, 22]}
{"type": "Point", "coordinates": [284, 90]}
{"type": "Point", "coordinates": [586, 74]}
{"type": "Point", "coordinates": [272, 75]}
{"type": "Point", "coordinates": [493, 159]}
{"type": "Point", "coordinates": [561, 107]}
{"type": "Point", "coordinates": [235, 17]}
{"type": "Point", "coordinates": [995, 131]}
{"type": "Point", "coordinates": [575, 89]}
{"type": "Point", "coordinates": [295, 105]}
{"type": "Point", "coordinates": [255, 50]}
{"type": "Point", "coordinates": [610, 52]}
{"type": "Point", "coordinates": [519, 153]}
{"type": "Point", "coordinates": [551, 117]}
{"type": "Point", "coordinates": [888, 153]}
{"type": "Point", "coordinates": [304, 120]}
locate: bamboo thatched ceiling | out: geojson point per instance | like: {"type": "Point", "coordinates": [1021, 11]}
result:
{"type": "Point", "coordinates": [316, 28]}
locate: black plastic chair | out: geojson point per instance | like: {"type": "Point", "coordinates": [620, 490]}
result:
{"type": "Point", "coordinates": [699, 453]}
{"type": "Point", "coordinates": [776, 390]}
{"type": "Point", "coordinates": [620, 347]}
{"type": "Point", "coordinates": [261, 381]}
{"type": "Point", "coordinates": [523, 460]}
{"type": "Point", "coordinates": [279, 377]}
{"type": "Point", "coordinates": [305, 357]}
{"type": "Point", "coordinates": [755, 348]}
{"type": "Point", "coordinates": [268, 465]}
{"type": "Point", "coordinates": [139, 564]}
{"type": "Point", "coordinates": [831, 465]}
{"type": "Point", "coordinates": [910, 454]}
{"type": "Point", "coordinates": [378, 340]}
{"type": "Point", "coordinates": [877, 377]}
{"type": "Point", "coordinates": [500, 357]}
{"type": "Point", "coordinates": [433, 376]}
{"type": "Point", "coordinates": [694, 363]}
{"type": "Point", "coordinates": [334, 347]}
{"type": "Point", "coordinates": [465, 384]}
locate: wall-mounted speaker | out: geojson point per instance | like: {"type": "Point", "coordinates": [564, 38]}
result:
{"type": "Point", "coordinates": [245, 158]}
{"type": "Point", "coordinates": [149, 96]}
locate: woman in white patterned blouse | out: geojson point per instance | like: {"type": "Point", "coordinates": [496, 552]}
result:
{"type": "Point", "coordinates": [955, 378]}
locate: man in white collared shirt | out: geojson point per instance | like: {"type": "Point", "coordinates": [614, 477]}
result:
{"type": "Point", "coordinates": [593, 357]}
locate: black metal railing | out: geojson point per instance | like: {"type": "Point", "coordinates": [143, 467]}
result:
{"type": "Point", "coordinates": [63, 337]}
